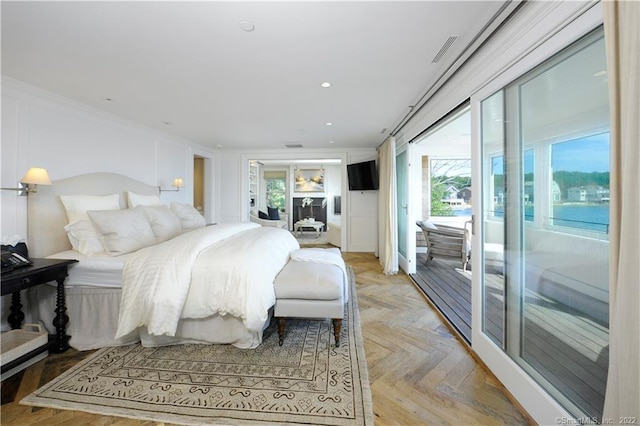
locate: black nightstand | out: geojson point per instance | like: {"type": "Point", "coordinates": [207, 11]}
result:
{"type": "Point", "coordinates": [40, 272]}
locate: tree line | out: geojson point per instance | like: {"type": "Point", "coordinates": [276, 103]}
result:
{"type": "Point", "coordinates": [566, 180]}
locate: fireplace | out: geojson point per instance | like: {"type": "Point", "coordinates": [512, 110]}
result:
{"type": "Point", "coordinates": [315, 210]}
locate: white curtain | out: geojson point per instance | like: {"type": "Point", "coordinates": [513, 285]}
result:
{"type": "Point", "coordinates": [387, 213]}
{"type": "Point", "coordinates": [622, 38]}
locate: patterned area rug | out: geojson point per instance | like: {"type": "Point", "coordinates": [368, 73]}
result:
{"type": "Point", "coordinates": [310, 237]}
{"type": "Point", "coordinates": [306, 381]}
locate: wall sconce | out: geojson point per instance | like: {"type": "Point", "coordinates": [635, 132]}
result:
{"type": "Point", "coordinates": [177, 184]}
{"type": "Point", "coordinates": [29, 183]}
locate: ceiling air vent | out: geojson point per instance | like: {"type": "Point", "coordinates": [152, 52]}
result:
{"type": "Point", "coordinates": [293, 145]}
{"type": "Point", "coordinates": [443, 50]}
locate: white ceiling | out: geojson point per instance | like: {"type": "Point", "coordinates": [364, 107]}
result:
{"type": "Point", "coordinates": [191, 65]}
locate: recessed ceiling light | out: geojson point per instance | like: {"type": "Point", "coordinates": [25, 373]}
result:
{"type": "Point", "coordinates": [330, 141]}
{"type": "Point", "coordinates": [600, 73]}
{"type": "Point", "coordinates": [329, 124]}
{"type": "Point", "coordinates": [167, 123]}
{"type": "Point", "coordinates": [325, 84]}
{"type": "Point", "coordinates": [108, 99]}
{"type": "Point", "coordinates": [219, 146]}
{"type": "Point", "coordinates": [246, 26]}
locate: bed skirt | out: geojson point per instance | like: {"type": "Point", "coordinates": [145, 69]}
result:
{"type": "Point", "coordinates": [93, 321]}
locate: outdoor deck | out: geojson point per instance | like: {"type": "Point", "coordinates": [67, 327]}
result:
{"type": "Point", "coordinates": [564, 346]}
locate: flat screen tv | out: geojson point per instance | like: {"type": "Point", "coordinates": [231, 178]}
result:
{"type": "Point", "coordinates": [362, 176]}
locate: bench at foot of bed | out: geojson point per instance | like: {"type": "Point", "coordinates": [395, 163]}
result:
{"type": "Point", "coordinates": [307, 289]}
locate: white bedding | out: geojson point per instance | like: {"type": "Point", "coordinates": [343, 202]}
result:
{"type": "Point", "coordinates": [98, 270]}
{"type": "Point", "coordinates": [93, 288]}
{"type": "Point", "coordinates": [201, 273]}
{"type": "Point", "coordinates": [331, 256]}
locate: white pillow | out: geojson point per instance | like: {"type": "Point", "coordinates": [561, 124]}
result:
{"type": "Point", "coordinates": [136, 200]}
{"type": "Point", "coordinates": [428, 224]}
{"type": "Point", "coordinates": [122, 231]}
{"type": "Point", "coordinates": [164, 223]}
{"type": "Point", "coordinates": [76, 206]}
{"type": "Point", "coordinates": [84, 238]}
{"type": "Point", "coordinates": [189, 217]}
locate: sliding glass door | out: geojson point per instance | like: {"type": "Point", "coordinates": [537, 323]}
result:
{"type": "Point", "coordinates": [406, 233]}
{"type": "Point", "coordinates": [493, 209]}
{"type": "Point", "coordinates": [544, 157]}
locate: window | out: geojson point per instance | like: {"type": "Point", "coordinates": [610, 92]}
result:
{"type": "Point", "coordinates": [275, 189]}
{"type": "Point", "coordinates": [450, 187]}
{"type": "Point", "coordinates": [580, 192]}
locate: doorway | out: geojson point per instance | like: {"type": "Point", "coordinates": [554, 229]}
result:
{"type": "Point", "coordinates": [278, 182]}
{"type": "Point", "coordinates": [444, 199]}
{"type": "Point", "coordinates": [198, 184]}
{"type": "Point", "coordinates": [203, 190]}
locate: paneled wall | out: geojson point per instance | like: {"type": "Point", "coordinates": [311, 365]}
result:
{"type": "Point", "coordinates": [40, 129]}
{"type": "Point", "coordinates": [67, 138]}
{"type": "Point", "coordinates": [362, 219]}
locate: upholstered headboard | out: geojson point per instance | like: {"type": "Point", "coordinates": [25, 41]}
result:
{"type": "Point", "coordinates": [46, 215]}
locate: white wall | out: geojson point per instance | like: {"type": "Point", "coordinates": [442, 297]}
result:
{"type": "Point", "coordinates": [362, 213]}
{"type": "Point", "coordinates": [67, 138]}
{"type": "Point", "coordinates": [232, 188]}
{"type": "Point", "coordinates": [40, 129]}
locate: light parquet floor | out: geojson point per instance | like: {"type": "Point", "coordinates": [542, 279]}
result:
{"type": "Point", "coordinates": [420, 373]}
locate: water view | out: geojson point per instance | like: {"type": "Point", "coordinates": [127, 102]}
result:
{"type": "Point", "coordinates": [593, 217]}
{"type": "Point", "coordinates": [581, 216]}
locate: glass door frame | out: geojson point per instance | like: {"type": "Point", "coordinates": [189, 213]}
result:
{"type": "Point", "coordinates": [407, 262]}
{"type": "Point", "coordinates": [533, 398]}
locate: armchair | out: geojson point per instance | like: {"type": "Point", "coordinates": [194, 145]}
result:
{"type": "Point", "coordinates": [446, 242]}
{"type": "Point", "coordinates": [282, 223]}
{"type": "Point", "coordinates": [334, 234]}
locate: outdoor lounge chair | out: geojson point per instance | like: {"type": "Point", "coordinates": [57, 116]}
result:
{"type": "Point", "coordinates": [446, 242]}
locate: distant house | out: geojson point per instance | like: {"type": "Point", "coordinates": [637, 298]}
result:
{"type": "Point", "coordinates": [465, 194]}
{"type": "Point", "coordinates": [451, 193]}
{"type": "Point", "coordinates": [590, 194]}
{"type": "Point", "coordinates": [556, 193]}
{"type": "Point", "coordinates": [528, 192]}
{"type": "Point", "coordinates": [597, 194]}
{"type": "Point", "coordinates": [577, 194]}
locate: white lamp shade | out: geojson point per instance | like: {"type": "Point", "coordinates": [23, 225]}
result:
{"type": "Point", "coordinates": [37, 176]}
{"type": "Point", "coordinates": [178, 183]}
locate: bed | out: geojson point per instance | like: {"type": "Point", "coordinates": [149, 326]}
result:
{"type": "Point", "coordinates": [159, 293]}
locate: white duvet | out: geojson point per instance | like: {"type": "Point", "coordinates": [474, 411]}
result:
{"type": "Point", "coordinates": [222, 269]}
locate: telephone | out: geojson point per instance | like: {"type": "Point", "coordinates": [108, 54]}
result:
{"type": "Point", "coordinates": [12, 260]}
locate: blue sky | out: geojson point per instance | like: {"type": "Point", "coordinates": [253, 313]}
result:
{"type": "Point", "coordinates": [589, 154]}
